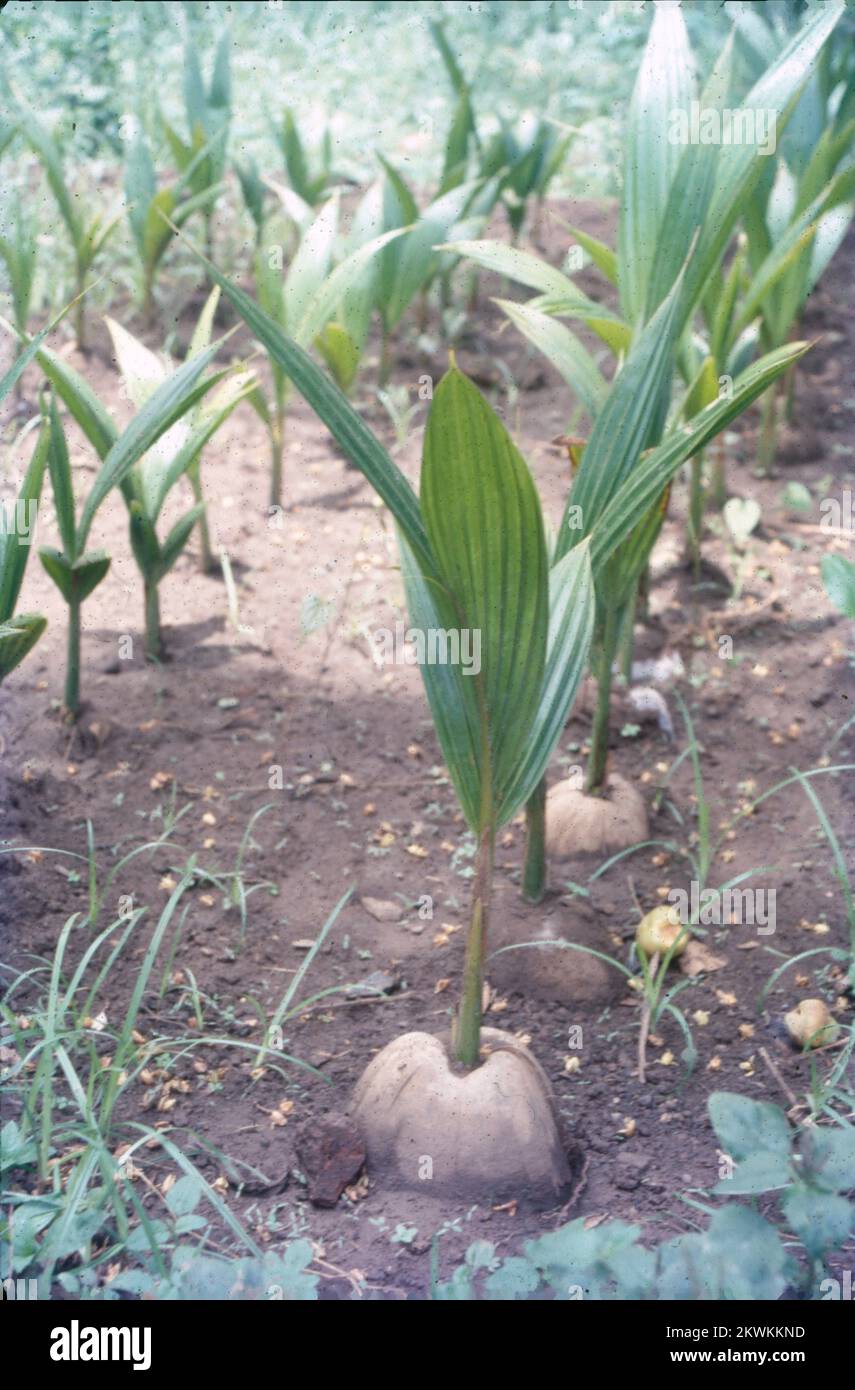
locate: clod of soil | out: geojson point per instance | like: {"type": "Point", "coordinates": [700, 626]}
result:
{"type": "Point", "coordinates": [577, 823]}
{"type": "Point", "coordinates": [331, 1154]}
{"type": "Point", "coordinates": [462, 1134]}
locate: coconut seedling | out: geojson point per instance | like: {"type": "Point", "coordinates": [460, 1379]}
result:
{"type": "Point", "coordinates": [485, 573]}
{"type": "Point", "coordinates": [254, 192]}
{"type": "Point", "coordinates": [18, 250]}
{"type": "Point", "coordinates": [177, 453]}
{"type": "Point", "coordinates": [409, 268]}
{"type": "Point", "coordinates": [313, 185]}
{"type": "Point", "coordinates": [75, 570]}
{"type": "Point", "coordinates": [154, 213]}
{"type": "Point", "coordinates": [680, 205]}
{"type": "Point", "coordinates": [474, 557]}
{"type": "Point", "coordinates": [201, 152]}
{"type": "Point", "coordinates": [522, 159]}
{"type": "Point", "coordinates": [19, 632]}
{"type": "Point", "coordinates": [87, 234]}
{"type": "Point", "coordinates": [315, 301]}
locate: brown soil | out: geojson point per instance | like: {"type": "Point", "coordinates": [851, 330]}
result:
{"type": "Point", "coordinates": [366, 803]}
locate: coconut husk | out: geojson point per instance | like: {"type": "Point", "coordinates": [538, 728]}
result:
{"type": "Point", "coordinates": [577, 823]}
{"type": "Point", "coordinates": [491, 1132]}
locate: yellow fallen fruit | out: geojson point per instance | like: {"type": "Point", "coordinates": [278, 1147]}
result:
{"type": "Point", "coordinates": [810, 1024]}
{"type": "Point", "coordinates": [659, 930]}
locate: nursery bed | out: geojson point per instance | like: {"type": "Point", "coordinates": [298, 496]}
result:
{"type": "Point", "coordinates": [365, 803]}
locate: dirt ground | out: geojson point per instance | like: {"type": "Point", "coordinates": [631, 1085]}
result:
{"type": "Point", "coordinates": [365, 803]}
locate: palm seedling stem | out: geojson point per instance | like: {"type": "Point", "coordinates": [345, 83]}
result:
{"type": "Point", "coordinates": [468, 1033]}
{"type": "Point", "coordinates": [277, 450]}
{"type": "Point", "coordinates": [72, 669]}
{"type": "Point", "coordinates": [718, 488]}
{"type": "Point", "coordinates": [152, 621]}
{"type": "Point", "coordinates": [534, 869]}
{"type": "Point", "coordinates": [207, 563]}
{"type": "Point", "coordinates": [696, 513]}
{"type": "Point", "coordinates": [769, 432]}
{"type": "Point", "coordinates": [600, 730]}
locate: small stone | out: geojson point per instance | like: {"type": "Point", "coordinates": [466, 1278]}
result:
{"type": "Point", "coordinates": [382, 909]}
{"type": "Point", "coordinates": [377, 983]}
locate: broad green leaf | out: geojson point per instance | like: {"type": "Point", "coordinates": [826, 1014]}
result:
{"type": "Point", "coordinates": [47, 149]}
{"type": "Point", "coordinates": [295, 208]}
{"type": "Point", "coordinates": [178, 537]}
{"type": "Point", "coordinates": [744, 1126]}
{"type": "Point", "coordinates": [821, 1220]}
{"type": "Point", "coordinates": [18, 636]}
{"type": "Point", "coordinates": [630, 420]}
{"type": "Point", "coordinates": [571, 626]}
{"type": "Point", "coordinates": [523, 268]}
{"type": "Point", "coordinates": [640, 491]}
{"type": "Point", "coordinates": [253, 188]}
{"type": "Point", "coordinates": [759, 1172]}
{"type": "Point", "coordinates": [838, 576]}
{"type": "Point", "coordinates": [168, 403]}
{"type": "Point", "coordinates": [664, 86]}
{"type": "Point", "coordinates": [457, 144]}
{"type": "Point", "coordinates": [88, 571]}
{"type": "Point", "coordinates": [59, 468]}
{"type": "Point", "coordinates": [340, 353]}
{"type": "Point", "coordinates": [215, 410]}
{"type": "Point", "coordinates": [220, 89]}
{"type": "Point", "coordinates": [59, 569]}
{"type": "Point", "coordinates": [703, 391]}
{"type": "Point", "coordinates": [80, 400]}
{"type": "Point", "coordinates": [482, 515]}
{"type": "Point", "coordinates": [203, 331]}
{"type": "Point", "coordinates": [141, 370]}
{"type": "Point", "coordinates": [335, 289]}
{"type": "Point", "coordinates": [829, 1157]}
{"type": "Point", "coordinates": [830, 235]}
{"type": "Point", "coordinates": [295, 158]}
{"type": "Point", "coordinates": [416, 257]}
{"type": "Point", "coordinates": [311, 265]}
{"type": "Point", "coordinates": [689, 194]}
{"type": "Point", "coordinates": [140, 188]}
{"type": "Point", "coordinates": [741, 167]}
{"type": "Point", "coordinates": [446, 52]}
{"type": "Point", "coordinates": [195, 100]}
{"type": "Point", "coordinates": [143, 536]}
{"type": "Point", "coordinates": [558, 295]}
{"type": "Point", "coordinates": [349, 431]}
{"type": "Point", "coordinates": [13, 555]}
{"type": "Point", "coordinates": [563, 350]}
{"type": "Point", "coordinates": [451, 695]}
{"type": "Point", "coordinates": [603, 256]}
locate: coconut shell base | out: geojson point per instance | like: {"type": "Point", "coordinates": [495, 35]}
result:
{"type": "Point", "coordinates": [549, 972]}
{"type": "Point", "coordinates": [466, 1135]}
{"type": "Point", "coordinates": [577, 823]}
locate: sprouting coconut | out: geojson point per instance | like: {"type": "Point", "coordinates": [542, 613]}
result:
{"type": "Point", "coordinates": [578, 822]}
{"type": "Point", "coordinates": [810, 1024]}
{"type": "Point", "coordinates": [491, 1130]}
{"type": "Point", "coordinates": [472, 1112]}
